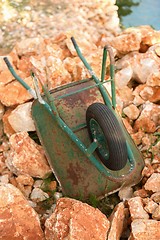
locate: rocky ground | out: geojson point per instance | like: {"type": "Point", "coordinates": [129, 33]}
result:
{"type": "Point", "coordinates": [32, 205]}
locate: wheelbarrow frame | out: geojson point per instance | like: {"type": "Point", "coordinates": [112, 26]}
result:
{"type": "Point", "coordinates": [49, 105]}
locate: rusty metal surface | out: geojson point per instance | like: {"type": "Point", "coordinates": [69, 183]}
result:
{"type": "Point", "coordinates": [74, 171]}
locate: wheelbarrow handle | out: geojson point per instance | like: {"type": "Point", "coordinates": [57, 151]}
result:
{"type": "Point", "coordinates": [112, 71]}
{"type": "Point", "coordinates": [19, 79]}
{"type": "Point", "coordinates": [96, 79]}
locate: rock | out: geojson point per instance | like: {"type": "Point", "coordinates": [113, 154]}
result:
{"type": "Point", "coordinates": [156, 213]}
{"type": "Point", "coordinates": [153, 183]}
{"type": "Point", "coordinates": [4, 178]}
{"type": "Point", "coordinates": [156, 197]}
{"type": "Point", "coordinates": [147, 171]}
{"type": "Point", "coordinates": [141, 193]}
{"type": "Point", "coordinates": [145, 229]}
{"type": "Point", "coordinates": [149, 118]}
{"type": "Point", "coordinates": [29, 46]}
{"type": "Point", "coordinates": [5, 77]}
{"type": "Point", "coordinates": [123, 77]}
{"type": "Point", "coordinates": [117, 222]}
{"type": "Point", "coordinates": [8, 130]}
{"type": "Point", "coordinates": [26, 157]}
{"type": "Point", "coordinates": [1, 130]}
{"type": "Point", "coordinates": [144, 66]}
{"type": "Point", "coordinates": [24, 183]}
{"type": "Point", "coordinates": [14, 93]}
{"type": "Point", "coordinates": [125, 95]}
{"type": "Point", "coordinates": [150, 205]}
{"type": "Point", "coordinates": [137, 137]}
{"type": "Point", "coordinates": [20, 118]}
{"type": "Point", "coordinates": [125, 193]}
{"type": "Point", "coordinates": [126, 42]}
{"type": "Point", "coordinates": [2, 163]}
{"type": "Point", "coordinates": [73, 219]}
{"type": "Point", "coordinates": [1, 111]}
{"type": "Point", "coordinates": [131, 111]}
{"type": "Point", "coordinates": [37, 195]}
{"type": "Point", "coordinates": [136, 209]}
{"type": "Point", "coordinates": [151, 94]}
{"type": "Point", "coordinates": [18, 220]}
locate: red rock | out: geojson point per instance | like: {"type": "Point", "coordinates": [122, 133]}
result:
{"type": "Point", "coordinates": [73, 219]}
{"type": "Point", "coordinates": [147, 171]}
{"type": "Point", "coordinates": [18, 220]}
{"type": "Point", "coordinates": [125, 95]}
{"type": "Point", "coordinates": [156, 213]}
{"type": "Point", "coordinates": [149, 118]}
{"type": "Point", "coordinates": [153, 183]}
{"type": "Point", "coordinates": [131, 111]}
{"type": "Point", "coordinates": [14, 93]}
{"type": "Point", "coordinates": [150, 205]}
{"type": "Point", "coordinates": [141, 193]}
{"type": "Point", "coordinates": [117, 222]}
{"type": "Point", "coordinates": [27, 157]}
{"type": "Point", "coordinates": [145, 229]}
{"type": "Point", "coordinates": [6, 125]}
{"type": "Point", "coordinates": [156, 197]}
{"type": "Point", "coordinates": [126, 42]}
{"type": "Point", "coordinates": [136, 208]}
{"type": "Point", "coordinates": [20, 118]}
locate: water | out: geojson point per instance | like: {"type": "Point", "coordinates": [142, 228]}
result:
{"type": "Point", "coordinates": [146, 13]}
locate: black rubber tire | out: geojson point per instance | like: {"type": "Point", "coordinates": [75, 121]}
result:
{"type": "Point", "coordinates": [109, 125]}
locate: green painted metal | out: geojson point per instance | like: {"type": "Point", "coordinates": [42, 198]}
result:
{"type": "Point", "coordinates": [60, 122]}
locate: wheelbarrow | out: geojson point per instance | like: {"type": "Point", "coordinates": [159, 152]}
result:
{"type": "Point", "coordinates": [85, 141]}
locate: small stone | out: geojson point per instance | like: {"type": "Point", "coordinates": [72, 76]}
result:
{"type": "Point", "coordinates": [4, 178]}
{"type": "Point", "coordinates": [125, 43]}
{"type": "Point", "coordinates": [57, 195]}
{"type": "Point", "coordinates": [117, 222]}
{"type": "Point", "coordinates": [156, 213]}
{"type": "Point", "coordinates": [147, 229]}
{"type": "Point", "coordinates": [131, 111]}
{"type": "Point", "coordinates": [147, 171]}
{"type": "Point", "coordinates": [125, 193]}
{"type": "Point", "coordinates": [8, 130]}
{"type": "Point", "coordinates": [73, 219]}
{"type": "Point", "coordinates": [148, 120]}
{"type": "Point", "coordinates": [37, 195]}
{"type": "Point", "coordinates": [125, 94]}
{"type": "Point", "coordinates": [123, 77]}
{"type": "Point", "coordinates": [27, 157]}
{"type": "Point", "coordinates": [150, 205]}
{"type": "Point", "coordinates": [1, 110]}
{"type": "Point", "coordinates": [14, 93]}
{"type": "Point", "coordinates": [156, 197]}
{"type": "Point", "coordinates": [137, 137]}
{"type": "Point", "coordinates": [141, 193]}
{"type": "Point", "coordinates": [153, 183]}
{"type": "Point", "coordinates": [136, 208]}
{"type": "Point", "coordinates": [18, 219]}
{"type": "Point", "coordinates": [53, 185]}
{"type": "Point", "coordinates": [24, 184]}
{"type": "Point", "coordinates": [157, 51]}
{"type": "Point", "coordinates": [20, 118]}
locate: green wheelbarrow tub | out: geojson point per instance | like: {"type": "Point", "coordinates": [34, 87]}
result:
{"type": "Point", "coordinates": [78, 177]}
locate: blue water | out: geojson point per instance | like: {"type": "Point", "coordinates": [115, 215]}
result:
{"type": "Point", "coordinates": [146, 13]}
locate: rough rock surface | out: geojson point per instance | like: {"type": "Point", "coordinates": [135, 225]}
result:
{"type": "Point", "coordinates": [26, 157]}
{"type": "Point", "coordinates": [117, 222]}
{"type": "Point", "coordinates": [73, 219]}
{"type": "Point", "coordinates": [18, 220]}
{"type": "Point", "coordinates": [145, 229]}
